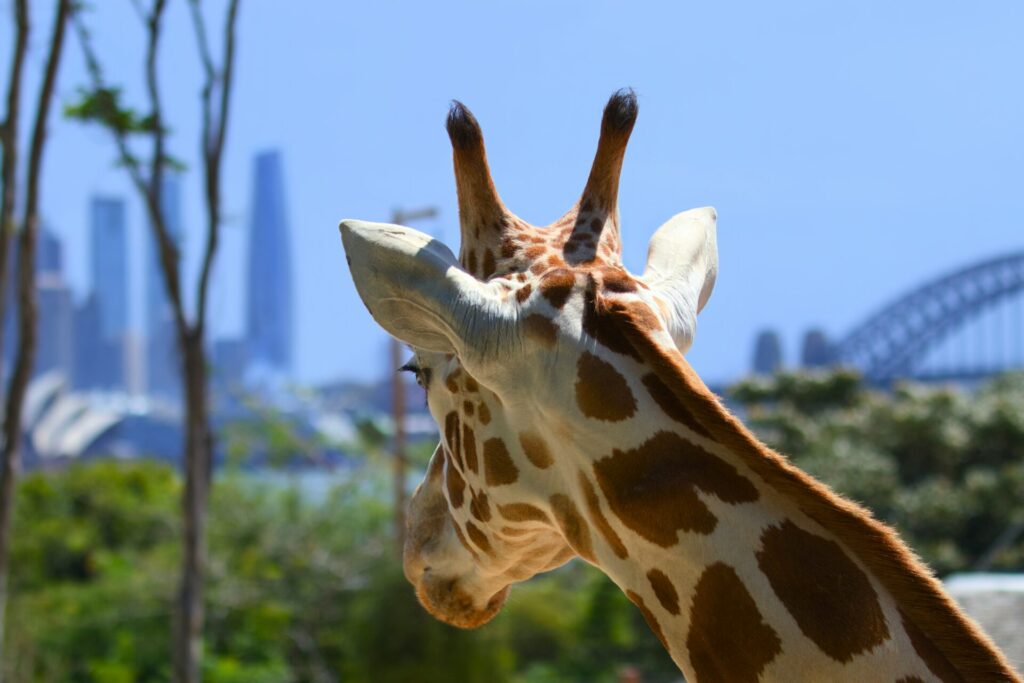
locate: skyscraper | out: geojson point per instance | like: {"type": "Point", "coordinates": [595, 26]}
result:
{"type": "Point", "coordinates": [56, 315]}
{"type": "Point", "coordinates": [162, 363]}
{"type": "Point", "coordinates": [767, 353]}
{"type": "Point", "coordinates": [109, 264]}
{"type": "Point", "coordinates": [101, 322]}
{"type": "Point", "coordinates": [269, 318]}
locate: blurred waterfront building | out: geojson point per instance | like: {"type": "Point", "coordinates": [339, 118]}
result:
{"type": "Point", "coordinates": [163, 377]}
{"type": "Point", "coordinates": [269, 291]}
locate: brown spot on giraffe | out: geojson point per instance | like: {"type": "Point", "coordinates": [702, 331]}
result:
{"type": "Point", "coordinates": [452, 381]}
{"type": "Point", "coordinates": [488, 266]}
{"type": "Point", "coordinates": [468, 408]}
{"type": "Point", "coordinates": [479, 538]}
{"type": "Point", "coordinates": [462, 540]}
{"type": "Point", "coordinates": [603, 327]}
{"type": "Point", "coordinates": [672, 406]}
{"type": "Point", "coordinates": [484, 414]}
{"type": "Point", "coordinates": [557, 285]}
{"type": "Point", "coordinates": [664, 590]}
{"type": "Point", "coordinates": [471, 384]}
{"type": "Point", "coordinates": [540, 329]}
{"type": "Point", "coordinates": [523, 293]}
{"type": "Point", "coordinates": [536, 450]}
{"type": "Point", "coordinates": [617, 281]}
{"type": "Point", "coordinates": [601, 392]}
{"type": "Point", "coordinates": [471, 262]}
{"type": "Point", "coordinates": [572, 525]}
{"type": "Point", "coordinates": [728, 640]}
{"type": "Point", "coordinates": [653, 487]}
{"type": "Point", "coordinates": [498, 466]}
{"type": "Point", "coordinates": [508, 248]}
{"type": "Point", "coordinates": [652, 621]}
{"type": "Point", "coordinates": [451, 437]}
{"type": "Point", "coordinates": [479, 506]}
{"type": "Point", "coordinates": [828, 595]}
{"type": "Point", "coordinates": [929, 654]}
{"type": "Point", "coordinates": [535, 252]}
{"type": "Point", "coordinates": [469, 447]}
{"type": "Point", "coordinates": [523, 512]}
{"type": "Point", "coordinates": [456, 487]}
{"type": "Point", "coordinates": [599, 520]}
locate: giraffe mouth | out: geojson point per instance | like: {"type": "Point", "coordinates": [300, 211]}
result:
{"type": "Point", "coordinates": [446, 601]}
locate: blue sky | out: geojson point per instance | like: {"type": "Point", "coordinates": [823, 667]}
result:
{"type": "Point", "coordinates": [851, 149]}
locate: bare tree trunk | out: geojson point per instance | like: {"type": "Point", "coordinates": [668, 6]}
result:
{"type": "Point", "coordinates": [9, 138]}
{"type": "Point", "coordinates": [199, 455]}
{"type": "Point", "coordinates": [25, 356]}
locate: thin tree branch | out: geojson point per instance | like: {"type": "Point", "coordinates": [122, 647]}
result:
{"type": "Point", "coordinates": [27, 314]}
{"type": "Point", "coordinates": [9, 140]}
{"type": "Point", "coordinates": [213, 140]}
{"type": "Point", "coordinates": [151, 189]}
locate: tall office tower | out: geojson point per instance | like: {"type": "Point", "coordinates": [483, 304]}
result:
{"type": "Point", "coordinates": [817, 350]}
{"type": "Point", "coordinates": [163, 376]}
{"type": "Point", "coordinates": [767, 353]}
{"type": "Point", "coordinates": [56, 315]}
{"type": "Point", "coordinates": [49, 252]}
{"type": "Point", "coordinates": [109, 246]}
{"type": "Point", "coordinates": [269, 319]}
{"type": "Point", "coordinates": [101, 361]}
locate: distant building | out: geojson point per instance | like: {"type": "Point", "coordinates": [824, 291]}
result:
{"type": "Point", "coordinates": [767, 353]}
{"type": "Point", "coordinates": [163, 377]}
{"type": "Point", "coordinates": [56, 325]}
{"type": "Point", "coordinates": [109, 263]}
{"type": "Point", "coordinates": [56, 313]}
{"type": "Point", "coordinates": [230, 359]}
{"type": "Point", "coordinates": [817, 351]}
{"type": "Point", "coordinates": [49, 252]}
{"type": "Point", "coordinates": [99, 363]}
{"type": "Point", "coordinates": [101, 322]}
{"type": "Point", "coordinates": [269, 315]}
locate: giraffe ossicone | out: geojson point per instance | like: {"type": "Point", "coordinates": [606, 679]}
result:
{"type": "Point", "coordinates": [571, 425]}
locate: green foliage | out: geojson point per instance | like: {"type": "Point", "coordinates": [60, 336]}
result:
{"type": "Point", "coordinates": [944, 466]}
{"type": "Point", "coordinates": [103, 106]}
{"type": "Point", "coordinates": [300, 588]}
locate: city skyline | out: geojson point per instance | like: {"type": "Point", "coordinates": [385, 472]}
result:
{"type": "Point", "coordinates": [88, 335]}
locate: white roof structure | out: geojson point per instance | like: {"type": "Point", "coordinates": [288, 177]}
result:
{"type": "Point", "coordinates": [61, 424]}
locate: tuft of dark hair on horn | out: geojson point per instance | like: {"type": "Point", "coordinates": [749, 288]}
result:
{"type": "Point", "coordinates": [462, 126]}
{"type": "Point", "coordinates": [621, 111]}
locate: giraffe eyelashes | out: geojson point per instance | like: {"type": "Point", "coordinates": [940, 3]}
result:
{"type": "Point", "coordinates": [422, 374]}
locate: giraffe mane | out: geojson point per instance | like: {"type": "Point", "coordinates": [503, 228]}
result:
{"type": "Point", "coordinates": [916, 590]}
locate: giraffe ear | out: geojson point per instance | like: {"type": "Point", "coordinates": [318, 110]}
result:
{"type": "Point", "coordinates": [682, 263]}
{"type": "Point", "coordinates": [414, 287]}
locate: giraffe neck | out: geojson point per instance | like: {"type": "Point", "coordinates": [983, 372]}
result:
{"type": "Point", "coordinates": [745, 567]}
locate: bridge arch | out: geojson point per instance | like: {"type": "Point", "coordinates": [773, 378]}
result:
{"type": "Point", "coordinates": [895, 340]}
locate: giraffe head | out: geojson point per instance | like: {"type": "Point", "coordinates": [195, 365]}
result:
{"type": "Point", "coordinates": [524, 375]}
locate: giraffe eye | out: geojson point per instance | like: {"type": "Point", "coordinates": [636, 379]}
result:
{"type": "Point", "coordinates": [422, 374]}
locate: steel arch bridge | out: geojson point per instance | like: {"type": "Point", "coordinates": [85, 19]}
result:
{"type": "Point", "coordinates": [895, 340]}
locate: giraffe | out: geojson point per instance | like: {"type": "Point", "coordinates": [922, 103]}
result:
{"type": "Point", "coordinates": [572, 426]}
